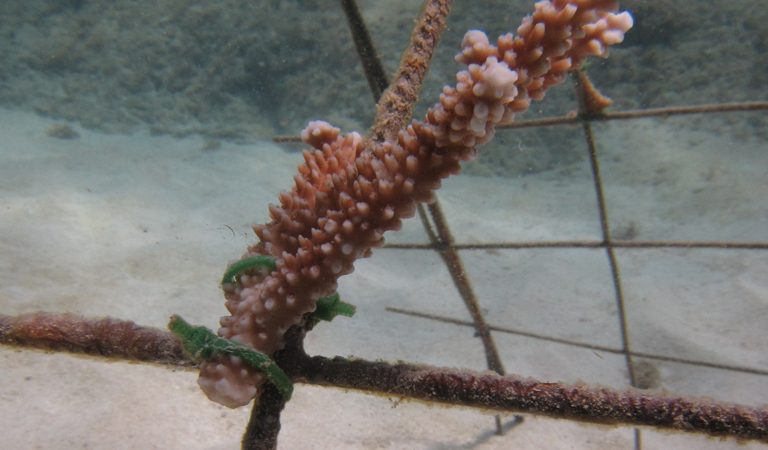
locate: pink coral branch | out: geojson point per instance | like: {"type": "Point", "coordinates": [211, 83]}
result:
{"type": "Point", "coordinates": [350, 191]}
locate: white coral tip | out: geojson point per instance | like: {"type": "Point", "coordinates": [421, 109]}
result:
{"type": "Point", "coordinates": [475, 41]}
{"type": "Point", "coordinates": [621, 21]}
{"type": "Point", "coordinates": [319, 132]}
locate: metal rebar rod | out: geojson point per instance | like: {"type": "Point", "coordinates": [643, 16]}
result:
{"type": "Point", "coordinates": [602, 348]}
{"type": "Point", "coordinates": [374, 69]}
{"type": "Point", "coordinates": [582, 97]}
{"type": "Point", "coordinates": [456, 268]}
{"type": "Point", "coordinates": [592, 244]}
{"type": "Point", "coordinates": [513, 394]}
{"type": "Point", "coordinates": [395, 106]}
{"type": "Point", "coordinates": [442, 241]}
{"type": "Point", "coordinates": [573, 119]}
{"type": "Point", "coordinates": [448, 386]}
{"type": "Point", "coordinates": [639, 114]}
{"type": "Point", "coordinates": [264, 424]}
{"type": "Point", "coordinates": [108, 337]}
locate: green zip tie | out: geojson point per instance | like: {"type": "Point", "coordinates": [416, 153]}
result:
{"type": "Point", "coordinates": [330, 307]}
{"type": "Point", "coordinates": [247, 264]}
{"type": "Point", "coordinates": [327, 307]}
{"type": "Point", "coordinates": [202, 343]}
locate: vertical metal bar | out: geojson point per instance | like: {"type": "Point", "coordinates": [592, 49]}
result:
{"type": "Point", "coordinates": [605, 227]}
{"type": "Point", "coordinates": [264, 424]}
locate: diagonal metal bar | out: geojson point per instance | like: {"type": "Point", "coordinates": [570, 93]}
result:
{"type": "Point", "coordinates": [456, 268]}
{"type": "Point", "coordinates": [442, 241]}
{"type": "Point", "coordinates": [602, 348]}
{"type": "Point", "coordinates": [374, 69]}
{"type": "Point", "coordinates": [592, 244]}
{"type": "Point", "coordinates": [395, 107]}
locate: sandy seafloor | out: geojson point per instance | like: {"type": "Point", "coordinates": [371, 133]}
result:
{"type": "Point", "coordinates": [140, 227]}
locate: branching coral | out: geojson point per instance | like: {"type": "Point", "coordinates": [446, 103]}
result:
{"type": "Point", "coordinates": [350, 191]}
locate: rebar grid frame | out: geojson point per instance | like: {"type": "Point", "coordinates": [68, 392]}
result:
{"type": "Point", "coordinates": [441, 239]}
{"type": "Point", "coordinates": [445, 245]}
{"type": "Point", "coordinates": [77, 334]}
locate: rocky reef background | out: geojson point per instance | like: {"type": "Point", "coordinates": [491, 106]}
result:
{"type": "Point", "coordinates": [247, 70]}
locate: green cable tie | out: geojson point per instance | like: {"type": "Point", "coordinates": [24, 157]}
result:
{"type": "Point", "coordinates": [327, 307]}
{"type": "Point", "coordinates": [246, 264]}
{"type": "Point", "coordinates": [202, 343]}
{"type": "Point", "coordinates": [330, 307]}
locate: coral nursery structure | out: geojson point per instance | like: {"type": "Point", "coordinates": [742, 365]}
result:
{"type": "Point", "coordinates": [350, 191]}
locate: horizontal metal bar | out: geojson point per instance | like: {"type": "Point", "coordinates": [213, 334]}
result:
{"type": "Point", "coordinates": [639, 114]}
{"type": "Point", "coordinates": [620, 115]}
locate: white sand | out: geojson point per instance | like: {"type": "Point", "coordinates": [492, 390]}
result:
{"type": "Point", "coordinates": [141, 227]}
